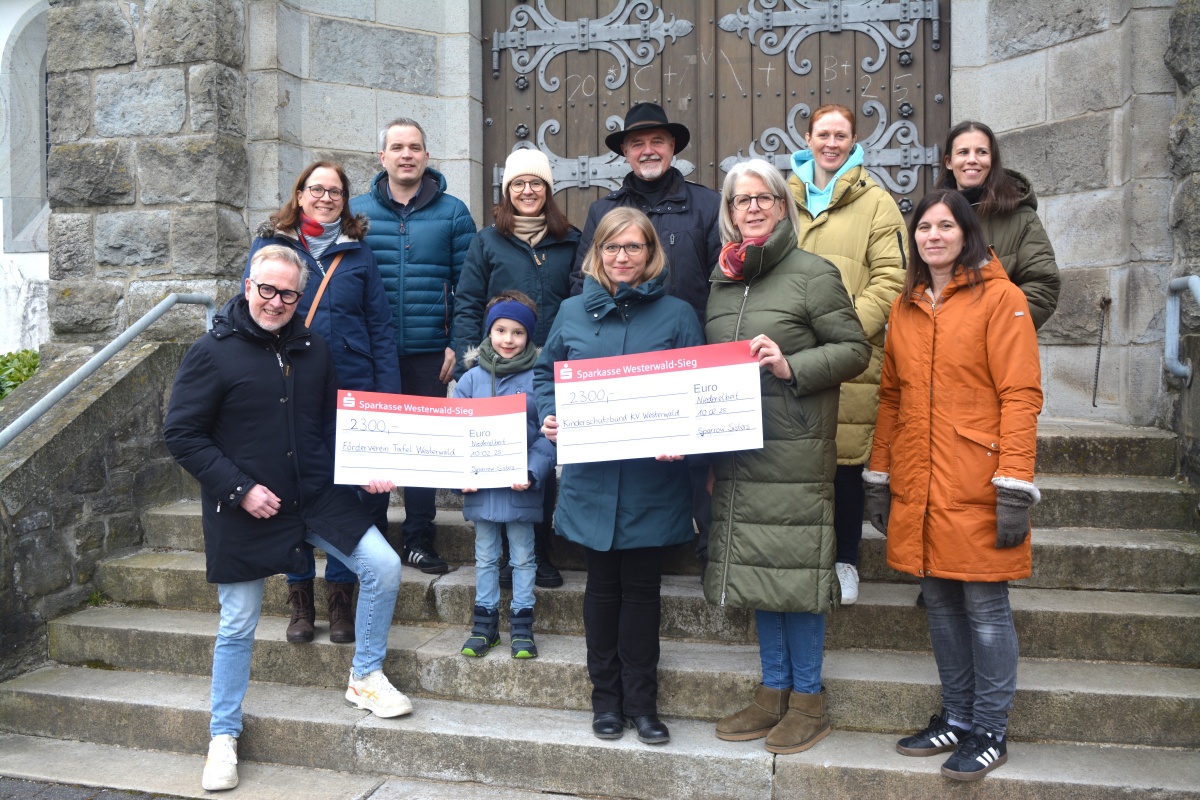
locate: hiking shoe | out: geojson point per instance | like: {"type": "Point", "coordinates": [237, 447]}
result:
{"type": "Point", "coordinates": [978, 755]}
{"type": "Point", "coordinates": [521, 636]}
{"type": "Point", "coordinates": [425, 558]}
{"type": "Point", "coordinates": [485, 634]}
{"type": "Point", "coordinates": [848, 578]}
{"type": "Point", "coordinates": [220, 768]}
{"type": "Point", "coordinates": [937, 737]}
{"type": "Point", "coordinates": [304, 612]}
{"type": "Point", "coordinates": [375, 693]}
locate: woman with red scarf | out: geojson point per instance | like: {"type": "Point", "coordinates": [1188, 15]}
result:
{"type": "Point", "coordinates": [773, 545]}
{"type": "Point", "coordinates": [344, 302]}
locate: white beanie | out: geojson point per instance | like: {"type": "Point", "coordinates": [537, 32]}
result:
{"type": "Point", "coordinates": [527, 161]}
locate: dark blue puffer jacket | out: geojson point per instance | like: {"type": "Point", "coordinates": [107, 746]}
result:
{"type": "Point", "coordinates": [420, 258]}
{"type": "Point", "coordinates": [354, 316]}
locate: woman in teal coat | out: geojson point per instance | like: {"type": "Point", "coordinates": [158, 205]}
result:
{"type": "Point", "coordinates": [625, 513]}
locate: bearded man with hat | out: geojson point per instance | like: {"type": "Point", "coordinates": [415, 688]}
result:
{"type": "Point", "coordinates": [686, 217]}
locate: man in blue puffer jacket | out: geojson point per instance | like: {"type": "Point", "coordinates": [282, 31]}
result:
{"type": "Point", "coordinates": [419, 235]}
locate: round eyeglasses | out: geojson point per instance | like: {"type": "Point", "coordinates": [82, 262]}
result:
{"type": "Point", "coordinates": [742, 201]}
{"type": "Point", "coordinates": [318, 191]}
{"type": "Point", "coordinates": [266, 291]}
{"type": "Point", "coordinates": [534, 184]}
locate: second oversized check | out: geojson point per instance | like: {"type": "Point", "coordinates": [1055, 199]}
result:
{"type": "Point", "coordinates": [672, 402]}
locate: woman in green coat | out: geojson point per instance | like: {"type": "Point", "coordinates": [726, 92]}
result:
{"type": "Point", "coordinates": [773, 544]}
{"type": "Point", "coordinates": [1007, 210]}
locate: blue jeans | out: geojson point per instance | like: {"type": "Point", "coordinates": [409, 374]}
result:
{"type": "Point", "coordinates": [487, 563]}
{"type": "Point", "coordinates": [378, 570]}
{"type": "Point", "coordinates": [975, 645]}
{"type": "Point", "coordinates": [791, 645]}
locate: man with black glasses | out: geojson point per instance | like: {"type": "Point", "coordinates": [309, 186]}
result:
{"type": "Point", "coordinates": [252, 417]}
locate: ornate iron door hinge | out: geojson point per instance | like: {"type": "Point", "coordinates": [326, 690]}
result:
{"type": "Point", "coordinates": [777, 145]}
{"type": "Point", "coordinates": [611, 33]}
{"type": "Point", "coordinates": [606, 171]}
{"type": "Point", "coordinates": [775, 29]}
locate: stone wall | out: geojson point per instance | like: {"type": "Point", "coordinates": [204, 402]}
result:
{"type": "Point", "coordinates": [1183, 60]}
{"type": "Point", "coordinates": [177, 127]}
{"type": "Point", "coordinates": [73, 486]}
{"type": "Point", "coordinates": [1087, 125]}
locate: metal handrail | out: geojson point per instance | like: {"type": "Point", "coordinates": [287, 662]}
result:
{"type": "Point", "coordinates": [95, 362]}
{"type": "Point", "coordinates": [1175, 288]}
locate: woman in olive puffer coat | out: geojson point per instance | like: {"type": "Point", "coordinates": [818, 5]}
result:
{"type": "Point", "coordinates": [772, 545]}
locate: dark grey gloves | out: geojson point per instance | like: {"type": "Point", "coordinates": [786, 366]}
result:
{"type": "Point", "coordinates": [1013, 499]}
{"type": "Point", "coordinates": [878, 499]}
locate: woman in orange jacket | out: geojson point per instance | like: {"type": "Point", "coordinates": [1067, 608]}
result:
{"type": "Point", "coordinates": [950, 480]}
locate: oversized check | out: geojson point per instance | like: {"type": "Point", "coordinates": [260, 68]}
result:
{"type": "Point", "coordinates": [673, 402]}
{"type": "Point", "coordinates": [429, 441]}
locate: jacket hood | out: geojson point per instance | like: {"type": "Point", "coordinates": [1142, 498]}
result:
{"type": "Point", "coordinates": [1028, 196]}
{"type": "Point", "coordinates": [993, 270]}
{"type": "Point", "coordinates": [432, 178]}
{"type": "Point", "coordinates": [267, 230]}
{"type": "Point", "coordinates": [847, 187]}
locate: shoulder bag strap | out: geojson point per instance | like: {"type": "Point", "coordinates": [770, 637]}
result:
{"type": "Point", "coordinates": [312, 310]}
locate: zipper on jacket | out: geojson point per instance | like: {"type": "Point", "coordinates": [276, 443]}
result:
{"type": "Point", "coordinates": [737, 331]}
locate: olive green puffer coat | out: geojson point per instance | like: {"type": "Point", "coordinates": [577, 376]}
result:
{"type": "Point", "coordinates": [862, 233]}
{"type": "Point", "coordinates": [1024, 250]}
{"type": "Point", "coordinates": [772, 545]}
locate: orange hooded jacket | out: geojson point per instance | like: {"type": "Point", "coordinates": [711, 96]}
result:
{"type": "Point", "coordinates": [958, 406]}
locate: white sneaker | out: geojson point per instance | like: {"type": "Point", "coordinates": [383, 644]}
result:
{"type": "Point", "coordinates": [220, 768]}
{"type": "Point", "coordinates": [377, 695]}
{"type": "Point", "coordinates": [848, 578]}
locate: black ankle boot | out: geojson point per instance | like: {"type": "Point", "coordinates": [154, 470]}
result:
{"type": "Point", "coordinates": [547, 576]}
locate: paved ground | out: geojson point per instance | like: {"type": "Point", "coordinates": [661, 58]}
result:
{"type": "Point", "coordinates": [12, 789]}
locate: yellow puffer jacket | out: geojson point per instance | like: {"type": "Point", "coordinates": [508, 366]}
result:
{"type": "Point", "coordinates": [863, 234]}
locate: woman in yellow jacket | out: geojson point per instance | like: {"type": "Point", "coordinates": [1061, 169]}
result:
{"type": "Point", "coordinates": [950, 480]}
{"type": "Point", "coordinates": [847, 218]}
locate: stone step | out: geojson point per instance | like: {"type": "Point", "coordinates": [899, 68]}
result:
{"type": "Point", "coordinates": [1115, 502]}
{"type": "Point", "coordinates": [1106, 626]}
{"type": "Point", "coordinates": [1069, 447]}
{"type": "Point", "coordinates": [1082, 558]}
{"type": "Point", "coordinates": [175, 774]}
{"type": "Point", "coordinates": [1069, 701]}
{"type": "Point", "coordinates": [552, 750]}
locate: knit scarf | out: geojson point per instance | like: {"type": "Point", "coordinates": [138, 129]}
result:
{"type": "Point", "coordinates": [317, 236]}
{"type": "Point", "coordinates": [530, 230]}
{"type": "Point", "coordinates": [497, 365]}
{"type": "Point", "coordinates": [733, 255]}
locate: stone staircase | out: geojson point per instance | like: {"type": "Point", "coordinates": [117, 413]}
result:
{"type": "Point", "coordinates": [1108, 698]}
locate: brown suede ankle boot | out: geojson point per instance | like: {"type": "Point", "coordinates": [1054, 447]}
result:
{"type": "Point", "coordinates": [300, 598]}
{"type": "Point", "coordinates": [805, 724]}
{"type": "Point", "coordinates": [341, 612]}
{"type": "Point", "coordinates": [757, 719]}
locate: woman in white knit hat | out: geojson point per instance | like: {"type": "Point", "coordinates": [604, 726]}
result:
{"type": "Point", "coordinates": [530, 247]}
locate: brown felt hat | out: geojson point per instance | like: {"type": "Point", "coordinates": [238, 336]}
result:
{"type": "Point", "coordinates": [648, 115]}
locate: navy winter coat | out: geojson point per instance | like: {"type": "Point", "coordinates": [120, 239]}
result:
{"type": "Point", "coordinates": [688, 224]}
{"type": "Point", "coordinates": [497, 263]}
{"type": "Point", "coordinates": [506, 505]}
{"type": "Point", "coordinates": [420, 257]}
{"type": "Point", "coordinates": [249, 407]}
{"type": "Point", "coordinates": [354, 317]}
{"type": "Point", "coordinates": [637, 502]}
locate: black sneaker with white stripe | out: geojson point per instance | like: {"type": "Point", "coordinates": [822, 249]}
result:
{"type": "Point", "coordinates": [978, 755]}
{"type": "Point", "coordinates": [425, 558]}
{"type": "Point", "coordinates": [938, 737]}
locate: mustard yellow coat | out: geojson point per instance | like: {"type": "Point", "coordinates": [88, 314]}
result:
{"type": "Point", "coordinates": [863, 234]}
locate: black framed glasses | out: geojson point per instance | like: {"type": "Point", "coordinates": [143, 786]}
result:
{"type": "Point", "coordinates": [266, 291]}
{"type": "Point", "coordinates": [742, 201]}
{"type": "Point", "coordinates": [632, 249]}
{"type": "Point", "coordinates": [318, 191]}
{"type": "Point", "coordinates": [534, 184]}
